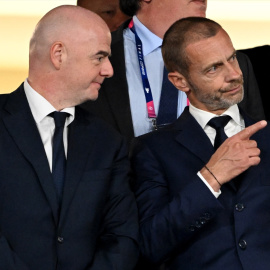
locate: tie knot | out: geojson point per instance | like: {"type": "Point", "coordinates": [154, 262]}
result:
{"type": "Point", "coordinates": [59, 118]}
{"type": "Point", "coordinates": [219, 122]}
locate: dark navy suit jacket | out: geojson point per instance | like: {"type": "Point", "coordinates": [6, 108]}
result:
{"type": "Point", "coordinates": [182, 224]}
{"type": "Point", "coordinates": [96, 225]}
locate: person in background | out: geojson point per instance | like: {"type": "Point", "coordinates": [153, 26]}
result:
{"type": "Point", "coordinates": [203, 199]}
{"type": "Point", "coordinates": [108, 10]}
{"type": "Point", "coordinates": [132, 100]}
{"type": "Point", "coordinates": [260, 58]}
{"type": "Point", "coordinates": [65, 197]}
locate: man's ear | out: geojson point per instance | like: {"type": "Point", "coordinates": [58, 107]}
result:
{"type": "Point", "coordinates": [179, 81]}
{"type": "Point", "coordinates": [57, 54]}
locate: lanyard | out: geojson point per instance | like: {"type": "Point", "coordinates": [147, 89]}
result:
{"type": "Point", "coordinates": [146, 86]}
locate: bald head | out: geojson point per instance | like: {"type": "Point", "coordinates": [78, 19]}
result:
{"type": "Point", "coordinates": [69, 53]}
{"type": "Point", "coordinates": [63, 23]}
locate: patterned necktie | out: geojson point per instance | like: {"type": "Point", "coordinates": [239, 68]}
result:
{"type": "Point", "coordinates": [59, 157]}
{"type": "Point", "coordinates": [218, 123]}
{"type": "Point", "coordinates": [168, 102]}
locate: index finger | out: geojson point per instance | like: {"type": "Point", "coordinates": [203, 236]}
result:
{"type": "Point", "coordinates": [246, 133]}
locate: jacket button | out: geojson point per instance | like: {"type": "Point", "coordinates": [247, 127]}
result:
{"type": "Point", "coordinates": [239, 207]}
{"type": "Point", "coordinates": [198, 224]}
{"type": "Point", "coordinates": [207, 216]}
{"type": "Point", "coordinates": [60, 239]}
{"type": "Point", "coordinates": [242, 244]}
{"type": "Point", "coordinates": [203, 220]}
{"type": "Point", "coordinates": [192, 228]}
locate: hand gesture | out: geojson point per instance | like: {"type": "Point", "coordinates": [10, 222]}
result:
{"type": "Point", "coordinates": [233, 157]}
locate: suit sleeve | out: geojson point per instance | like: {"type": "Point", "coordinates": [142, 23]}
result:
{"type": "Point", "coordinates": [167, 223]}
{"type": "Point", "coordinates": [252, 102]}
{"type": "Point", "coordinates": [118, 243]}
{"type": "Point", "coordinates": [8, 259]}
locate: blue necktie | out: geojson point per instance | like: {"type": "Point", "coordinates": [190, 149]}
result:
{"type": "Point", "coordinates": [218, 123]}
{"type": "Point", "coordinates": [59, 157]}
{"type": "Point", "coordinates": [167, 112]}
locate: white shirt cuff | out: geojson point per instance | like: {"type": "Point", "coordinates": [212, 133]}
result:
{"type": "Point", "coordinates": [216, 194]}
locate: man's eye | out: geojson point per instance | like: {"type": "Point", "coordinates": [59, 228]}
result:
{"type": "Point", "coordinates": [233, 57]}
{"type": "Point", "coordinates": [212, 69]}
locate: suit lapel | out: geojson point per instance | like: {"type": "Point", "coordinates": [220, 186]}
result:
{"type": "Point", "coordinates": [192, 136]}
{"type": "Point", "coordinates": [22, 128]}
{"type": "Point", "coordinates": [79, 147]}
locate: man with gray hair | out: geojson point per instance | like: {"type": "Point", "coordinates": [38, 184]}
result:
{"type": "Point", "coordinates": [203, 198]}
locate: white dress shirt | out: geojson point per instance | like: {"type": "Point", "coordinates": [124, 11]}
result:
{"type": "Point", "coordinates": [40, 109]}
{"type": "Point", "coordinates": [154, 68]}
{"type": "Point", "coordinates": [235, 125]}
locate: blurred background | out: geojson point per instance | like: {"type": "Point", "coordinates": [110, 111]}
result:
{"type": "Point", "coordinates": [246, 21]}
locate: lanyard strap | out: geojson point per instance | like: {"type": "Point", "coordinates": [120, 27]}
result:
{"type": "Point", "coordinates": [146, 86]}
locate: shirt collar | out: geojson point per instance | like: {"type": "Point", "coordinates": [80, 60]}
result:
{"type": "Point", "coordinates": [149, 40]}
{"type": "Point", "coordinates": [203, 117]}
{"type": "Point", "coordinates": [40, 107]}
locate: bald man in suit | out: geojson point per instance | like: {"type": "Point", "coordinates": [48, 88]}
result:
{"type": "Point", "coordinates": [79, 213]}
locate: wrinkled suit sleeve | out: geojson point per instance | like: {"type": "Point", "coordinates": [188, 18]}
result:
{"type": "Point", "coordinates": [167, 224]}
